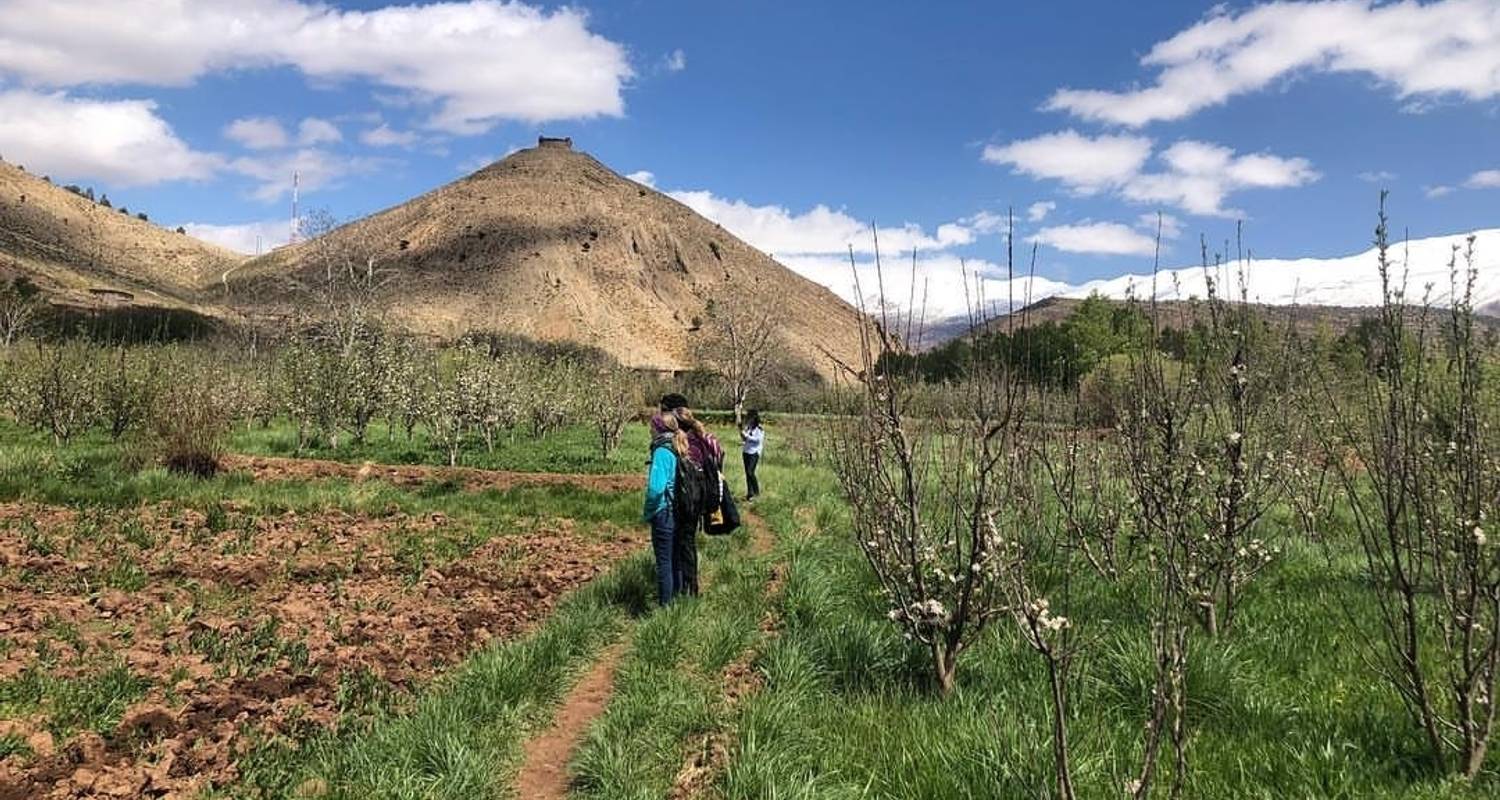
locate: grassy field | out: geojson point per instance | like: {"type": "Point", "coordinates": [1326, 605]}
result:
{"type": "Point", "coordinates": [572, 449]}
{"type": "Point", "coordinates": [1285, 707]}
{"type": "Point", "coordinates": [146, 613]}
{"type": "Point", "coordinates": [783, 680]}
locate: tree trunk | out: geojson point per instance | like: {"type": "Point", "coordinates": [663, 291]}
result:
{"type": "Point", "coordinates": [1475, 758]}
{"type": "Point", "coordinates": [944, 667]}
{"type": "Point", "coordinates": [1060, 733]}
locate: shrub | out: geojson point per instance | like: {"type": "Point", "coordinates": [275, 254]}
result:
{"type": "Point", "coordinates": [190, 420]}
{"type": "Point", "coordinates": [1424, 485]}
{"type": "Point", "coordinates": [610, 402]}
{"type": "Point", "coordinates": [552, 399]}
{"type": "Point", "coordinates": [128, 381]}
{"type": "Point", "coordinates": [54, 389]}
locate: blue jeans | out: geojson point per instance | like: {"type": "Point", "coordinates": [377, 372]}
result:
{"type": "Point", "coordinates": [685, 559]}
{"type": "Point", "coordinates": [663, 541]}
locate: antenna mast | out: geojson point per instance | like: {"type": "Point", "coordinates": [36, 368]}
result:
{"type": "Point", "coordinates": [294, 231]}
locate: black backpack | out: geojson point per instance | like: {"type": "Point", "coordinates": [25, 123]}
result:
{"type": "Point", "coordinates": [695, 493]}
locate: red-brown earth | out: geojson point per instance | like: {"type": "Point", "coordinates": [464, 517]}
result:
{"type": "Point", "coordinates": [474, 480]}
{"type": "Point", "coordinates": [237, 628]}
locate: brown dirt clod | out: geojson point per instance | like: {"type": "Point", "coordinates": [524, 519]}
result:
{"type": "Point", "coordinates": [251, 627]}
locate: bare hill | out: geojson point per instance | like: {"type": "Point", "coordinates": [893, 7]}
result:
{"type": "Point", "coordinates": [85, 255]}
{"type": "Point", "coordinates": [551, 244]}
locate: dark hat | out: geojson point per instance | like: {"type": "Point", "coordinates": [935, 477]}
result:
{"type": "Point", "coordinates": [673, 401]}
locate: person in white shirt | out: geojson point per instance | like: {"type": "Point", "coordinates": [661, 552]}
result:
{"type": "Point", "coordinates": [754, 437]}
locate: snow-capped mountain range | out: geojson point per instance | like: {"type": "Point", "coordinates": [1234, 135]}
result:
{"type": "Point", "coordinates": [1421, 264]}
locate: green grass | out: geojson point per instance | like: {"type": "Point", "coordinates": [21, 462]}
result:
{"type": "Point", "coordinates": [572, 449]}
{"type": "Point", "coordinates": [91, 472]}
{"type": "Point", "coordinates": [461, 736]}
{"type": "Point", "coordinates": [11, 744]}
{"type": "Point", "coordinates": [248, 652]}
{"type": "Point", "coordinates": [668, 686]}
{"type": "Point", "coordinates": [456, 737]}
{"type": "Point", "coordinates": [1284, 706]}
{"type": "Point", "coordinates": [93, 701]}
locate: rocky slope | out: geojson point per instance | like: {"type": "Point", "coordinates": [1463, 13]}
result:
{"type": "Point", "coordinates": [551, 244]}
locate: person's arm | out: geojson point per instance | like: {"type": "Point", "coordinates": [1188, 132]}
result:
{"type": "Point", "coordinates": [659, 479]}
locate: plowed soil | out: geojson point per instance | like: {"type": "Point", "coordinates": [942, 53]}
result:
{"type": "Point", "coordinates": [236, 627]}
{"type": "Point", "coordinates": [476, 480]}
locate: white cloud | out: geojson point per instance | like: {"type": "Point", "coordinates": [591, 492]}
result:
{"type": "Point", "coordinates": [816, 244]}
{"type": "Point", "coordinates": [778, 231]}
{"type": "Point", "coordinates": [676, 61]}
{"type": "Point", "coordinates": [1376, 176]}
{"type": "Point", "coordinates": [1087, 164]}
{"type": "Point", "coordinates": [243, 237]}
{"type": "Point", "coordinates": [1421, 51]}
{"type": "Point", "coordinates": [1096, 238]}
{"type": "Point", "coordinates": [1170, 226]}
{"type": "Point", "coordinates": [1037, 212]}
{"type": "Point", "coordinates": [1484, 179]}
{"type": "Point", "coordinates": [315, 168]}
{"type": "Point", "coordinates": [386, 136]}
{"type": "Point", "coordinates": [985, 223]}
{"type": "Point", "coordinates": [476, 63]}
{"type": "Point", "coordinates": [256, 133]}
{"type": "Point", "coordinates": [1197, 178]}
{"type": "Point", "coordinates": [313, 131]}
{"type": "Point", "coordinates": [945, 285]}
{"type": "Point", "coordinates": [122, 142]}
{"type": "Point", "coordinates": [1200, 176]}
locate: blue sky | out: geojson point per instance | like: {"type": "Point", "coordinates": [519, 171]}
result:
{"type": "Point", "coordinates": [794, 124]}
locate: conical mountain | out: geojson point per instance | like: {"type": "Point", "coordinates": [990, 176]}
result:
{"type": "Point", "coordinates": [552, 245]}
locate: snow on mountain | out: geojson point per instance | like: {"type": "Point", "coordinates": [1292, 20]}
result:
{"type": "Point", "coordinates": [1345, 281]}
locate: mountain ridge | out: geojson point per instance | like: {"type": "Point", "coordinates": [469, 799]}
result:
{"type": "Point", "coordinates": [1345, 286]}
{"type": "Point", "coordinates": [88, 256]}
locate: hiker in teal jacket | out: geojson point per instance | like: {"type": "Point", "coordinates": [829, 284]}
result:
{"type": "Point", "coordinates": [668, 443]}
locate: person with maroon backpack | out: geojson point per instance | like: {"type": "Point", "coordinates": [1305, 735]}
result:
{"type": "Point", "coordinates": [702, 474]}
